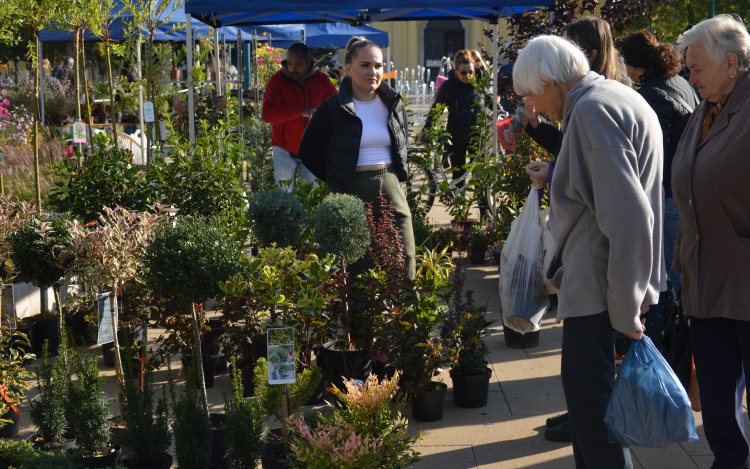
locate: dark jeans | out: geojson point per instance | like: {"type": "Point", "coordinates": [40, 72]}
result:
{"type": "Point", "coordinates": [588, 375]}
{"type": "Point", "coordinates": [721, 350]}
{"type": "Point", "coordinates": [367, 186]}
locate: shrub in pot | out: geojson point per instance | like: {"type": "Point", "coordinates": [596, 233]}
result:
{"type": "Point", "coordinates": [243, 334]}
{"type": "Point", "coordinates": [191, 425]}
{"type": "Point", "coordinates": [269, 396]}
{"type": "Point", "coordinates": [185, 261]}
{"type": "Point", "coordinates": [13, 378]}
{"type": "Point", "coordinates": [480, 240]}
{"type": "Point", "coordinates": [366, 431]}
{"type": "Point", "coordinates": [276, 216]}
{"type": "Point", "coordinates": [149, 435]}
{"type": "Point", "coordinates": [48, 409]}
{"type": "Point", "coordinates": [42, 460]}
{"type": "Point", "coordinates": [89, 410]}
{"type": "Point", "coordinates": [14, 453]}
{"type": "Point", "coordinates": [246, 430]}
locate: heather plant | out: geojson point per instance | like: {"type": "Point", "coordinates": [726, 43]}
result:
{"type": "Point", "coordinates": [367, 430]}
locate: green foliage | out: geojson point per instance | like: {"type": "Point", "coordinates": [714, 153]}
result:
{"type": "Point", "coordinates": [185, 260]}
{"type": "Point", "coordinates": [88, 406]}
{"type": "Point", "coordinates": [149, 434]}
{"type": "Point", "coordinates": [246, 430]}
{"type": "Point", "coordinates": [191, 425]}
{"type": "Point", "coordinates": [269, 396]}
{"type": "Point", "coordinates": [35, 262]}
{"type": "Point", "coordinates": [41, 460]}
{"type": "Point", "coordinates": [480, 239]}
{"type": "Point", "coordinates": [260, 157]}
{"type": "Point", "coordinates": [107, 179]}
{"type": "Point", "coordinates": [424, 230]}
{"type": "Point", "coordinates": [310, 197]}
{"type": "Point", "coordinates": [276, 216]}
{"type": "Point", "coordinates": [48, 410]}
{"type": "Point", "coordinates": [14, 453]}
{"type": "Point", "coordinates": [341, 227]}
{"type": "Point", "coordinates": [12, 373]}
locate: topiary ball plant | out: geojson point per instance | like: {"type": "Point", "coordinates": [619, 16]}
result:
{"type": "Point", "coordinates": [276, 216]}
{"type": "Point", "coordinates": [32, 259]}
{"type": "Point", "coordinates": [341, 227]}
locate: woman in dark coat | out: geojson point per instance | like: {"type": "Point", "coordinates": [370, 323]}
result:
{"type": "Point", "coordinates": [655, 68]}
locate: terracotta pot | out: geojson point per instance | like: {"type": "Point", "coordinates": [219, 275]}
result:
{"type": "Point", "coordinates": [174, 75]}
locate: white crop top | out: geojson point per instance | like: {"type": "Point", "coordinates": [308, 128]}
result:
{"type": "Point", "coordinates": [375, 146]}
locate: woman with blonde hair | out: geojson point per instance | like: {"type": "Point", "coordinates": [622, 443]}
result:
{"type": "Point", "coordinates": [478, 61]}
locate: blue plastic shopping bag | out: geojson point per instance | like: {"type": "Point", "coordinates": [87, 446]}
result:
{"type": "Point", "coordinates": [649, 407]}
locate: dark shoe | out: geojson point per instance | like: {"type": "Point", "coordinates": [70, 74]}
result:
{"type": "Point", "coordinates": [555, 421]}
{"type": "Point", "coordinates": [559, 433]}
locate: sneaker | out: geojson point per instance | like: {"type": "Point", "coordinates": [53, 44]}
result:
{"type": "Point", "coordinates": [555, 421]}
{"type": "Point", "coordinates": [560, 433]}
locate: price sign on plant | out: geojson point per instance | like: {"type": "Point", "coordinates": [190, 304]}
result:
{"type": "Point", "coordinates": [106, 334]}
{"type": "Point", "coordinates": [148, 111]}
{"type": "Point", "coordinates": [281, 356]}
{"type": "Point", "coordinates": [79, 132]}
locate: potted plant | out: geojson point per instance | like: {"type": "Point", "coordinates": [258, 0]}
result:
{"type": "Point", "coordinates": [13, 378]}
{"type": "Point", "coordinates": [496, 251]}
{"type": "Point", "coordinates": [276, 216]}
{"type": "Point", "coordinates": [88, 409]}
{"type": "Point", "coordinates": [191, 425]}
{"type": "Point", "coordinates": [246, 429]}
{"type": "Point", "coordinates": [176, 55]}
{"type": "Point", "coordinates": [341, 229]}
{"type": "Point", "coordinates": [185, 261]}
{"type": "Point", "coordinates": [149, 436]}
{"type": "Point", "coordinates": [366, 431]}
{"type": "Point", "coordinates": [479, 242]}
{"type": "Point", "coordinates": [48, 409]}
{"type": "Point", "coordinates": [41, 460]}
{"type": "Point", "coordinates": [15, 453]}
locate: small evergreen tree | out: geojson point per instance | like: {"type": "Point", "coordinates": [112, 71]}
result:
{"type": "Point", "coordinates": [48, 411]}
{"type": "Point", "coordinates": [246, 429]}
{"type": "Point", "coordinates": [88, 406]}
{"type": "Point", "coordinates": [276, 216]}
{"type": "Point", "coordinates": [192, 427]}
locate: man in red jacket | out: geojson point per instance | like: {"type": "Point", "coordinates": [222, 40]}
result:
{"type": "Point", "coordinates": [292, 95]}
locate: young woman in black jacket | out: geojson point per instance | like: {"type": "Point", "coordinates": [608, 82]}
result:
{"type": "Point", "coordinates": [337, 150]}
{"type": "Point", "coordinates": [655, 68]}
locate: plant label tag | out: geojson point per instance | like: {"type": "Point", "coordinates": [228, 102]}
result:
{"type": "Point", "coordinates": [148, 112]}
{"type": "Point", "coordinates": [281, 356]}
{"type": "Point", "coordinates": [79, 132]}
{"type": "Point", "coordinates": [2, 161]}
{"type": "Point", "coordinates": [106, 331]}
{"type": "Point", "coordinates": [163, 130]}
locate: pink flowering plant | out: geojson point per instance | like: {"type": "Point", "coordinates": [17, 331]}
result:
{"type": "Point", "coordinates": [269, 62]}
{"type": "Point", "coordinates": [368, 432]}
{"type": "Point", "coordinates": [14, 124]}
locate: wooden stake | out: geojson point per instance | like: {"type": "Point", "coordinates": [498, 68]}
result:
{"type": "Point", "coordinates": [284, 412]}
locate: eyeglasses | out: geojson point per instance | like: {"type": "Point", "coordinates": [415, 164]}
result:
{"type": "Point", "coordinates": [464, 73]}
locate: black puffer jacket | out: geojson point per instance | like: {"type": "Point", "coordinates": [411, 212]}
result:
{"type": "Point", "coordinates": [330, 145]}
{"type": "Point", "coordinates": [673, 100]}
{"type": "Point", "coordinates": [464, 102]}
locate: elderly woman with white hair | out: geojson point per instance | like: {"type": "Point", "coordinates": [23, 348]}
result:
{"type": "Point", "coordinates": [712, 251]}
{"type": "Point", "coordinates": [606, 220]}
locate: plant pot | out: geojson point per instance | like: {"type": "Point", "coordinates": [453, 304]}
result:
{"type": "Point", "coordinates": [428, 406]}
{"type": "Point", "coordinates": [248, 381]}
{"type": "Point", "coordinates": [165, 463]}
{"type": "Point", "coordinates": [108, 357]}
{"type": "Point", "coordinates": [46, 330]}
{"type": "Point", "coordinates": [64, 447]}
{"type": "Point", "coordinates": [119, 434]}
{"type": "Point", "coordinates": [222, 364]}
{"type": "Point", "coordinates": [471, 391]}
{"type": "Point", "coordinates": [174, 75]}
{"type": "Point", "coordinates": [260, 346]}
{"type": "Point", "coordinates": [104, 118]}
{"type": "Point", "coordinates": [318, 395]}
{"type": "Point", "coordinates": [218, 440]}
{"type": "Point", "coordinates": [80, 327]}
{"type": "Point", "coordinates": [209, 371]}
{"type": "Point", "coordinates": [118, 117]}
{"type": "Point", "coordinates": [515, 339]}
{"type": "Point", "coordinates": [270, 457]}
{"type": "Point", "coordinates": [11, 429]}
{"type": "Point", "coordinates": [345, 364]}
{"type": "Point", "coordinates": [477, 256]}
{"type": "Point", "coordinates": [92, 462]}
{"type": "Point", "coordinates": [58, 121]}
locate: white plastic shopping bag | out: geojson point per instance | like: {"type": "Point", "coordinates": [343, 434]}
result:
{"type": "Point", "coordinates": [522, 294]}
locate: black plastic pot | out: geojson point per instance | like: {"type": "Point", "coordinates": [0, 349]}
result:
{"type": "Point", "coordinates": [318, 395]}
{"type": "Point", "coordinates": [428, 406]}
{"type": "Point", "coordinates": [119, 434]}
{"type": "Point", "coordinates": [260, 346]}
{"type": "Point", "coordinates": [471, 391]}
{"type": "Point", "coordinates": [218, 440]}
{"type": "Point", "coordinates": [80, 327]}
{"type": "Point", "coordinates": [46, 330]}
{"type": "Point", "coordinates": [208, 368]}
{"type": "Point", "coordinates": [67, 446]}
{"type": "Point", "coordinates": [95, 462]}
{"type": "Point", "coordinates": [248, 382]}
{"type": "Point", "coordinates": [515, 339]}
{"type": "Point", "coordinates": [11, 429]}
{"type": "Point", "coordinates": [462, 224]}
{"type": "Point", "coordinates": [166, 463]}
{"type": "Point", "coordinates": [268, 460]}
{"type": "Point", "coordinates": [477, 256]}
{"type": "Point", "coordinates": [349, 364]}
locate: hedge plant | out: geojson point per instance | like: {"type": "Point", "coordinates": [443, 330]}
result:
{"type": "Point", "coordinates": [276, 216]}
{"type": "Point", "coordinates": [88, 406]}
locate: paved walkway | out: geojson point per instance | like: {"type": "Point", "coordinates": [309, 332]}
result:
{"type": "Point", "coordinates": [506, 434]}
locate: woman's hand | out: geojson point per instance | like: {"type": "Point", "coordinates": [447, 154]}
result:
{"type": "Point", "coordinates": [532, 113]}
{"type": "Point", "coordinates": [638, 335]}
{"type": "Point", "coordinates": [421, 136]}
{"type": "Point", "coordinates": [538, 171]}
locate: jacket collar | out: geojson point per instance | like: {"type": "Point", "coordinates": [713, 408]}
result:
{"type": "Point", "coordinates": [389, 96]}
{"type": "Point", "coordinates": [648, 75]}
{"type": "Point", "coordinates": [740, 94]}
{"type": "Point", "coordinates": [285, 71]}
{"type": "Point", "coordinates": [581, 88]}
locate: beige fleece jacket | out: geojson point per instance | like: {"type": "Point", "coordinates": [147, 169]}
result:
{"type": "Point", "coordinates": [606, 210]}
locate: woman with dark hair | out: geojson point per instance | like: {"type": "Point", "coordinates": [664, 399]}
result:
{"type": "Point", "coordinates": [655, 69]}
{"type": "Point", "coordinates": [337, 149]}
{"type": "Point", "coordinates": [463, 102]}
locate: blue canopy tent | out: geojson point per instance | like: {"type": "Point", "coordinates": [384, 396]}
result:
{"type": "Point", "coordinates": [318, 35]}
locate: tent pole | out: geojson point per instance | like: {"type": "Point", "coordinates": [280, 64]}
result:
{"type": "Point", "coordinates": [41, 83]}
{"type": "Point", "coordinates": [495, 69]}
{"type": "Point", "coordinates": [240, 116]}
{"type": "Point", "coordinates": [388, 59]}
{"type": "Point", "coordinates": [141, 124]}
{"type": "Point", "coordinates": [191, 88]}
{"type": "Point", "coordinates": [217, 66]}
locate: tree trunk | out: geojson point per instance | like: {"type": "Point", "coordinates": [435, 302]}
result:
{"type": "Point", "coordinates": [108, 46]}
{"type": "Point", "coordinates": [35, 137]}
{"type": "Point", "coordinates": [88, 100]}
{"type": "Point", "coordinates": [150, 95]}
{"type": "Point", "coordinates": [60, 320]}
{"type": "Point", "coordinates": [118, 362]}
{"type": "Point", "coordinates": [77, 80]}
{"type": "Point", "coordinates": [199, 359]}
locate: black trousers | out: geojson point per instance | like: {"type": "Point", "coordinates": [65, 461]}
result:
{"type": "Point", "coordinates": [721, 351]}
{"type": "Point", "coordinates": [588, 375]}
